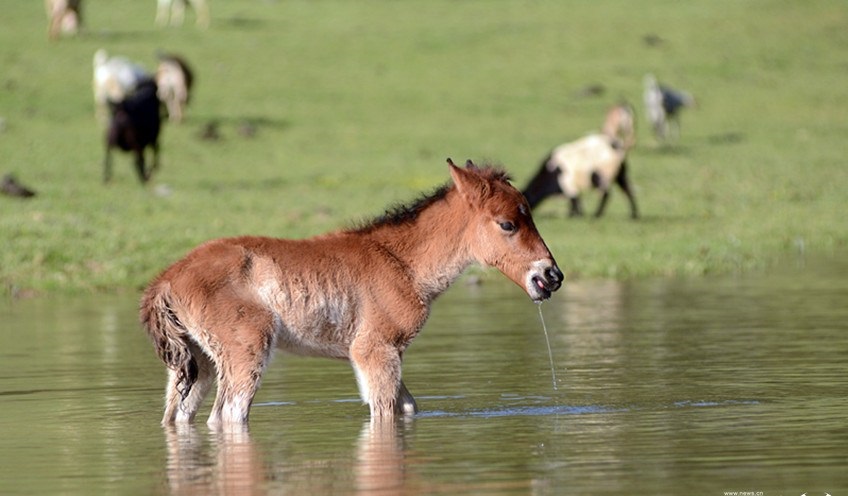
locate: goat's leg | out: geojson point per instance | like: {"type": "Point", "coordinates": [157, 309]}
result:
{"type": "Point", "coordinates": [107, 165]}
{"type": "Point", "coordinates": [162, 10]}
{"type": "Point", "coordinates": [602, 204]}
{"type": "Point", "coordinates": [177, 12]}
{"type": "Point", "coordinates": [661, 129]}
{"type": "Point", "coordinates": [623, 182]}
{"type": "Point", "coordinates": [201, 10]}
{"type": "Point", "coordinates": [55, 26]}
{"type": "Point", "coordinates": [140, 165]}
{"type": "Point", "coordinates": [155, 165]}
{"type": "Point", "coordinates": [174, 106]}
{"type": "Point", "coordinates": [576, 209]}
{"type": "Point", "coordinates": [674, 128]}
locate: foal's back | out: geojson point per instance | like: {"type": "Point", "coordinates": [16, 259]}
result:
{"type": "Point", "coordinates": [312, 294]}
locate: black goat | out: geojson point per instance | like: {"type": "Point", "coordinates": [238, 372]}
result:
{"type": "Point", "coordinates": [134, 125]}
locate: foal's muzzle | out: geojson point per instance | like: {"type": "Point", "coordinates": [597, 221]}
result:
{"type": "Point", "coordinates": [544, 281]}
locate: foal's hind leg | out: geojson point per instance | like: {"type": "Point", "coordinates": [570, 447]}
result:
{"type": "Point", "coordinates": [242, 360]}
{"type": "Point", "coordinates": [183, 410]}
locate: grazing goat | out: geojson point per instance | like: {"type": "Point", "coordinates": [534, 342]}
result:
{"type": "Point", "coordinates": [596, 160]}
{"type": "Point", "coordinates": [663, 105]}
{"type": "Point", "coordinates": [114, 79]}
{"type": "Point", "coordinates": [174, 79]}
{"type": "Point", "coordinates": [63, 16]}
{"type": "Point", "coordinates": [174, 11]}
{"type": "Point", "coordinates": [134, 126]}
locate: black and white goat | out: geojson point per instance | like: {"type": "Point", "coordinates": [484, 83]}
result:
{"type": "Point", "coordinates": [134, 126]}
{"type": "Point", "coordinates": [114, 78]}
{"type": "Point", "coordinates": [594, 161]}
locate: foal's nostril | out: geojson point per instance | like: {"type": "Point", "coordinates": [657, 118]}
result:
{"type": "Point", "coordinates": [554, 276]}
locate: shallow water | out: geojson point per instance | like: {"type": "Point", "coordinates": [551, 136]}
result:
{"type": "Point", "coordinates": [667, 386]}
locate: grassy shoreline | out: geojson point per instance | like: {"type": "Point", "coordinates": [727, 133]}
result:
{"type": "Point", "coordinates": [357, 105]}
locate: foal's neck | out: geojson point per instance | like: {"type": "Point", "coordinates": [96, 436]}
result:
{"type": "Point", "coordinates": [433, 245]}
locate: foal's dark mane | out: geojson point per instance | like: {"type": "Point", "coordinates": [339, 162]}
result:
{"type": "Point", "coordinates": [402, 213]}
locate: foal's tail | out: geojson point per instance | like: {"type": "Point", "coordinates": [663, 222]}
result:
{"type": "Point", "coordinates": [169, 335]}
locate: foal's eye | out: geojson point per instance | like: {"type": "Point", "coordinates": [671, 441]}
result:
{"type": "Point", "coordinates": [507, 226]}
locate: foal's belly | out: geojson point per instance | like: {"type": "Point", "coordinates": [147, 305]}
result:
{"type": "Point", "coordinates": [323, 330]}
{"type": "Point", "coordinates": [316, 314]}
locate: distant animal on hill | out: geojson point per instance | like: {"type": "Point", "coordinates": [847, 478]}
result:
{"type": "Point", "coordinates": [63, 17]}
{"type": "Point", "coordinates": [663, 106]}
{"type": "Point", "coordinates": [361, 295]}
{"type": "Point", "coordinates": [173, 12]}
{"type": "Point", "coordinates": [134, 126]}
{"type": "Point", "coordinates": [594, 161]}
{"type": "Point", "coordinates": [114, 78]}
{"type": "Point", "coordinates": [174, 78]}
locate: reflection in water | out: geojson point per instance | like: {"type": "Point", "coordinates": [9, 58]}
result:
{"type": "Point", "coordinates": [664, 386]}
{"type": "Point", "coordinates": [229, 462]}
{"type": "Point", "coordinates": [380, 459]}
{"type": "Point", "coordinates": [593, 313]}
{"type": "Point", "coordinates": [595, 305]}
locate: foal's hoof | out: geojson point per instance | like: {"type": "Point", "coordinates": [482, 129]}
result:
{"type": "Point", "coordinates": [408, 408]}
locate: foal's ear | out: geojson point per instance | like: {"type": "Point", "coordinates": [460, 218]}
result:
{"type": "Point", "coordinates": [467, 183]}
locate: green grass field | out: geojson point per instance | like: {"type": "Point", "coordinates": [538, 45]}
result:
{"type": "Point", "coordinates": [357, 104]}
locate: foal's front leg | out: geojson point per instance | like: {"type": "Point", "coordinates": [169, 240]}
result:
{"type": "Point", "coordinates": [378, 369]}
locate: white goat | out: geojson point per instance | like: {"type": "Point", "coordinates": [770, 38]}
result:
{"type": "Point", "coordinates": [114, 79]}
{"type": "Point", "coordinates": [174, 79]}
{"type": "Point", "coordinates": [174, 11]}
{"type": "Point", "coordinates": [63, 17]}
